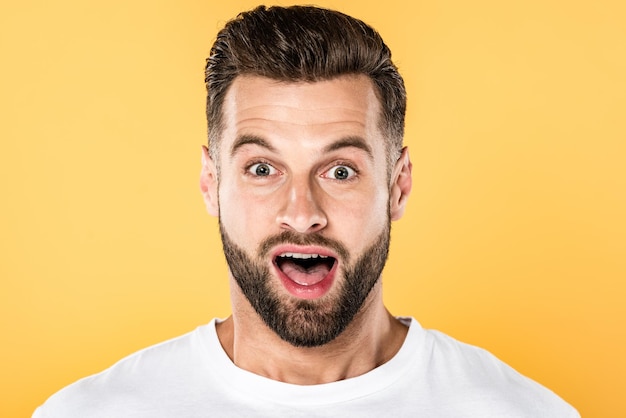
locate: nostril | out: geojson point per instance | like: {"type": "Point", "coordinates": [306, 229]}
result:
{"type": "Point", "coordinates": [302, 212]}
{"type": "Point", "coordinates": [302, 228]}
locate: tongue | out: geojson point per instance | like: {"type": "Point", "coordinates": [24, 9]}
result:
{"type": "Point", "coordinates": [305, 276]}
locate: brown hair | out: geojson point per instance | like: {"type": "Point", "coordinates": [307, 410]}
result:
{"type": "Point", "coordinates": [303, 43]}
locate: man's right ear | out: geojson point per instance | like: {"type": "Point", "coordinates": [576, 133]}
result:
{"type": "Point", "coordinates": [208, 183]}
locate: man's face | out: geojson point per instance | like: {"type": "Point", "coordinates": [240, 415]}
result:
{"type": "Point", "coordinates": [303, 201]}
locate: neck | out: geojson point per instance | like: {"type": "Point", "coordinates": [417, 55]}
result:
{"type": "Point", "coordinates": [371, 339]}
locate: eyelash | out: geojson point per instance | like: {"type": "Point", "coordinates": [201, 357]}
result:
{"type": "Point", "coordinates": [255, 162]}
{"type": "Point", "coordinates": [329, 167]}
{"type": "Point", "coordinates": [342, 164]}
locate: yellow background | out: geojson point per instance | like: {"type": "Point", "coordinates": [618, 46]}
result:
{"type": "Point", "coordinates": [514, 235]}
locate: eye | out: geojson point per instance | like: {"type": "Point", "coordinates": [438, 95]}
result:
{"type": "Point", "coordinates": [262, 170]}
{"type": "Point", "coordinates": [340, 172]}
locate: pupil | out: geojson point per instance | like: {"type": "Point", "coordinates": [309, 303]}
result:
{"type": "Point", "coordinates": [262, 170]}
{"type": "Point", "coordinates": [341, 173]}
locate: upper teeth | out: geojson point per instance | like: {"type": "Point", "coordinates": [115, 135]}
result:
{"type": "Point", "coordinates": [301, 255]}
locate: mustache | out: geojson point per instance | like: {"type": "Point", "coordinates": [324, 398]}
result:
{"type": "Point", "coordinates": [294, 238]}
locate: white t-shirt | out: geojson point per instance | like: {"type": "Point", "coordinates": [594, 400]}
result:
{"type": "Point", "coordinates": [432, 375]}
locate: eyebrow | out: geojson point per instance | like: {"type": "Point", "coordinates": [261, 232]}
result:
{"type": "Point", "coordinates": [250, 139]}
{"type": "Point", "coordinates": [350, 141]}
{"type": "Point", "coordinates": [346, 142]}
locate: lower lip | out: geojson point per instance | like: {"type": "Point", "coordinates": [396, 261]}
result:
{"type": "Point", "coordinates": [314, 291]}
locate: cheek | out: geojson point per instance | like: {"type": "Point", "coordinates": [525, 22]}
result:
{"type": "Point", "coordinates": [244, 216]}
{"type": "Point", "coordinates": [365, 216]}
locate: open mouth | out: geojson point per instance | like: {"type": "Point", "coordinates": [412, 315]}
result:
{"type": "Point", "coordinates": [305, 269]}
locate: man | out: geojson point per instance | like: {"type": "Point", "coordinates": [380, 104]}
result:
{"type": "Point", "coordinates": [306, 170]}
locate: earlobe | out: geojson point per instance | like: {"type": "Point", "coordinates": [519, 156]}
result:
{"type": "Point", "coordinates": [401, 184]}
{"type": "Point", "coordinates": [208, 183]}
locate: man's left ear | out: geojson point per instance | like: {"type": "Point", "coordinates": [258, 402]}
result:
{"type": "Point", "coordinates": [401, 184]}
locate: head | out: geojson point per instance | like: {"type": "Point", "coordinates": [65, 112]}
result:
{"type": "Point", "coordinates": [309, 44]}
{"type": "Point", "coordinates": [306, 116]}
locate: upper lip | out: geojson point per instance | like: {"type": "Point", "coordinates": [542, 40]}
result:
{"type": "Point", "coordinates": [296, 251]}
{"type": "Point", "coordinates": [301, 255]}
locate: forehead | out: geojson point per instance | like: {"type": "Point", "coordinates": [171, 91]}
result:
{"type": "Point", "coordinates": [345, 105]}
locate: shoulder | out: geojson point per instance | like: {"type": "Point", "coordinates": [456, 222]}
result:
{"type": "Point", "coordinates": [142, 378]}
{"type": "Point", "coordinates": [475, 378]}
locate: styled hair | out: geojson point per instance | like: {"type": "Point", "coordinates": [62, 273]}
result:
{"type": "Point", "coordinates": [303, 44]}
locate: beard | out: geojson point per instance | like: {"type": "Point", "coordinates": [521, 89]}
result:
{"type": "Point", "coordinates": [302, 322]}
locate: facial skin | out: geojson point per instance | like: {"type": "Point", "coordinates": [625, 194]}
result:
{"type": "Point", "coordinates": [303, 171]}
{"type": "Point", "coordinates": [306, 322]}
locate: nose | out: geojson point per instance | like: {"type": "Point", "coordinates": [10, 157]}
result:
{"type": "Point", "coordinates": [302, 211]}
